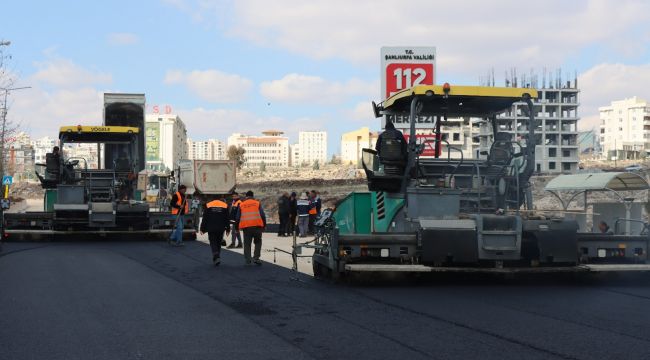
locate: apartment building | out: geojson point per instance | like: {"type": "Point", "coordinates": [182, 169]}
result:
{"type": "Point", "coordinates": [211, 149]}
{"type": "Point", "coordinates": [270, 149]}
{"type": "Point", "coordinates": [165, 141]}
{"type": "Point", "coordinates": [312, 147]}
{"type": "Point", "coordinates": [625, 129]}
{"type": "Point", "coordinates": [353, 142]}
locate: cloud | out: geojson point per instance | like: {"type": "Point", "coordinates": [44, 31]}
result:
{"type": "Point", "coordinates": [64, 73]}
{"type": "Point", "coordinates": [212, 85]}
{"type": "Point", "coordinates": [297, 88]}
{"type": "Point", "coordinates": [61, 93]}
{"type": "Point", "coordinates": [203, 124]}
{"type": "Point", "coordinates": [604, 83]}
{"type": "Point", "coordinates": [41, 112]}
{"type": "Point", "coordinates": [470, 36]}
{"type": "Point", "coordinates": [362, 112]}
{"type": "Point", "coordinates": [122, 39]}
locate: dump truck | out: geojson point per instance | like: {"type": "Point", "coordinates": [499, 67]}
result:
{"type": "Point", "coordinates": [86, 198]}
{"type": "Point", "coordinates": [207, 179]}
{"type": "Point", "coordinates": [451, 214]}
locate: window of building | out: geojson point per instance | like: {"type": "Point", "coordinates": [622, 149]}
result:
{"type": "Point", "coordinates": [566, 153]}
{"type": "Point", "coordinates": [552, 152]}
{"type": "Point", "coordinates": [456, 137]}
{"type": "Point", "coordinates": [566, 166]}
{"type": "Point", "coordinates": [551, 165]}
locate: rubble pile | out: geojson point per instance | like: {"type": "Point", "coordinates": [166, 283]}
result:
{"type": "Point", "coordinates": [325, 172]}
{"type": "Point", "coordinates": [25, 190]}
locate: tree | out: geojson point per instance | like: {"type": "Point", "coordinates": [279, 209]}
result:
{"type": "Point", "coordinates": [262, 166]}
{"type": "Point", "coordinates": [237, 154]}
{"type": "Point", "coordinates": [7, 81]}
{"type": "Point", "coordinates": [316, 165]}
{"type": "Point", "coordinates": [335, 160]}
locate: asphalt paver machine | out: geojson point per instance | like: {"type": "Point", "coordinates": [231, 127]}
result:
{"type": "Point", "coordinates": [449, 213]}
{"type": "Point", "coordinates": [93, 197]}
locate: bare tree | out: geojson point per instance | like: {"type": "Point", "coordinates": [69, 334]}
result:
{"type": "Point", "coordinates": [7, 128]}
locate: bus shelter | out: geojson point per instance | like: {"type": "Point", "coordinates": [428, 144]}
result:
{"type": "Point", "coordinates": [567, 188]}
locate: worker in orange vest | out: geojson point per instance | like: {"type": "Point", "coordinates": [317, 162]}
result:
{"type": "Point", "coordinates": [180, 207]}
{"type": "Point", "coordinates": [313, 210]}
{"type": "Point", "coordinates": [252, 221]}
{"type": "Point", "coordinates": [215, 222]}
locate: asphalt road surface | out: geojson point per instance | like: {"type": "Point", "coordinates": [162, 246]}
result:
{"type": "Point", "coordinates": [146, 300]}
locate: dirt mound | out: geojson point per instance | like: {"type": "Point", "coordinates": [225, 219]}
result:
{"type": "Point", "coordinates": [24, 190]}
{"type": "Point", "coordinates": [297, 184]}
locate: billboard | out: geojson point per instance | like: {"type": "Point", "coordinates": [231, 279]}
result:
{"type": "Point", "coordinates": [403, 67]}
{"type": "Point", "coordinates": [152, 141]}
{"type": "Point", "coordinates": [429, 142]}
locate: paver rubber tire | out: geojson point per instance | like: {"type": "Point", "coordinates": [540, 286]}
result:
{"type": "Point", "coordinates": [317, 269]}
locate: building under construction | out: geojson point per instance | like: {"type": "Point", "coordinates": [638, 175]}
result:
{"type": "Point", "coordinates": [557, 113]}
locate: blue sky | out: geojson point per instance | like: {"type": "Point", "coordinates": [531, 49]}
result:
{"type": "Point", "coordinates": [244, 66]}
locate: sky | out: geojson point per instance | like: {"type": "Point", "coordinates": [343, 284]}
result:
{"type": "Point", "coordinates": [246, 66]}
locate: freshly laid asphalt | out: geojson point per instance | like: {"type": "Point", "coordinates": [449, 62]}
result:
{"type": "Point", "coordinates": [146, 300]}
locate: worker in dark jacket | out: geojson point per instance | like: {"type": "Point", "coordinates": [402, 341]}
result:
{"type": "Point", "coordinates": [284, 207]}
{"type": "Point", "coordinates": [392, 150]}
{"type": "Point", "coordinates": [215, 222]}
{"type": "Point", "coordinates": [293, 212]}
{"type": "Point", "coordinates": [234, 208]}
{"type": "Point", "coordinates": [391, 134]}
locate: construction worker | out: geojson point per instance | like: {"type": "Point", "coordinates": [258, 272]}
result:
{"type": "Point", "coordinates": [234, 209]}
{"type": "Point", "coordinates": [391, 136]}
{"type": "Point", "coordinates": [284, 208]}
{"type": "Point", "coordinates": [180, 207]}
{"type": "Point", "coordinates": [302, 209]}
{"type": "Point", "coordinates": [392, 150]}
{"type": "Point", "coordinates": [56, 152]}
{"type": "Point", "coordinates": [604, 228]}
{"type": "Point", "coordinates": [313, 210]}
{"type": "Point", "coordinates": [252, 221]}
{"type": "Point", "coordinates": [293, 213]}
{"type": "Point", "coordinates": [215, 222]}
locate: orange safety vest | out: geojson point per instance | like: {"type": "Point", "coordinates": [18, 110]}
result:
{"type": "Point", "coordinates": [250, 214]}
{"type": "Point", "coordinates": [179, 202]}
{"type": "Point", "coordinates": [312, 210]}
{"type": "Point", "coordinates": [216, 203]}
